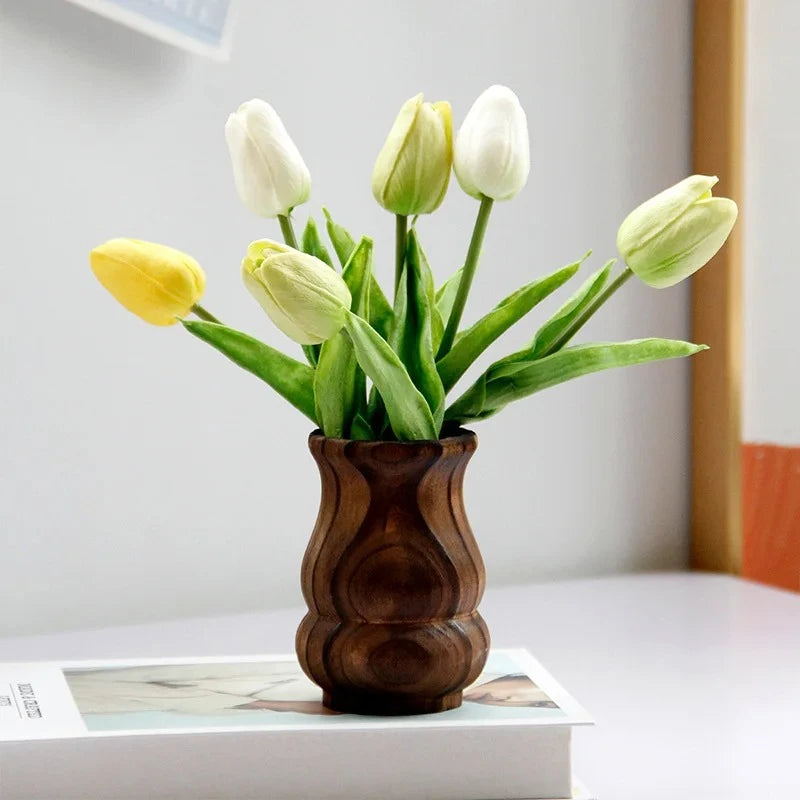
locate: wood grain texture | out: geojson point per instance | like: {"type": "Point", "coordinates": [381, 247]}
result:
{"type": "Point", "coordinates": [716, 508]}
{"type": "Point", "coordinates": [771, 495]}
{"type": "Point", "coordinates": [392, 577]}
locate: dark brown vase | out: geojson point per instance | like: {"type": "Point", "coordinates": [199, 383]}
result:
{"type": "Point", "coordinates": [392, 578]}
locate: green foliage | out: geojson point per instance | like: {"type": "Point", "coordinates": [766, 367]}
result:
{"type": "Point", "coordinates": [407, 409]}
{"type": "Point", "coordinates": [336, 388]}
{"type": "Point", "coordinates": [547, 336]}
{"type": "Point", "coordinates": [508, 380]}
{"type": "Point", "coordinates": [339, 383]}
{"type": "Point", "coordinates": [446, 295]}
{"type": "Point", "coordinates": [289, 378]}
{"type": "Point", "coordinates": [343, 243]}
{"type": "Point", "coordinates": [477, 338]}
{"type": "Point", "coordinates": [411, 336]}
{"type": "Point", "coordinates": [394, 347]}
{"type": "Point", "coordinates": [312, 244]}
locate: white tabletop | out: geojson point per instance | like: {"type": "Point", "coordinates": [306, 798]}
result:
{"type": "Point", "coordinates": [694, 680]}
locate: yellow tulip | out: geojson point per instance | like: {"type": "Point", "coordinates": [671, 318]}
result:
{"type": "Point", "coordinates": [155, 282]}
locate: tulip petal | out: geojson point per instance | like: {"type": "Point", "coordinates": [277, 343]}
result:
{"type": "Point", "coordinates": [648, 220]}
{"type": "Point", "coordinates": [412, 170]}
{"type": "Point", "coordinates": [492, 150]}
{"type": "Point", "coordinates": [280, 319]}
{"type": "Point", "coordinates": [155, 282]}
{"type": "Point", "coordinates": [688, 243]}
{"type": "Point", "coordinates": [270, 174]}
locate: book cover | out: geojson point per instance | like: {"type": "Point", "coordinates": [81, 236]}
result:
{"type": "Point", "coordinates": [262, 714]}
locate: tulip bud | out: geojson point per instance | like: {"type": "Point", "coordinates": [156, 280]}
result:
{"type": "Point", "coordinates": [302, 295]}
{"type": "Point", "coordinates": [153, 281]}
{"type": "Point", "coordinates": [673, 234]}
{"type": "Point", "coordinates": [271, 176]}
{"type": "Point", "coordinates": [492, 152]}
{"type": "Point", "coordinates": [413, 168]}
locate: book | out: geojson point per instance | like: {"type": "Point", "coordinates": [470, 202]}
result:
{"type": "Point", "coordinates": [255, 727]}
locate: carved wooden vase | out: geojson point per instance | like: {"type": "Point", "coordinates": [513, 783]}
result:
{"type": "Point", "coordinates": [392, 578]}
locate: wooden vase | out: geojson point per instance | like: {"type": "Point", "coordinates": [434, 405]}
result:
{"type": "Point", "coordinates": [392, 578]}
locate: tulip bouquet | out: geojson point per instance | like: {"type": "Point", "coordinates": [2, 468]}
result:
{"type": "Point", "coordinates": [375, 369]}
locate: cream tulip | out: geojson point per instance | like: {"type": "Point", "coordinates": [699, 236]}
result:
{"type": "Point", "coordinates": [675, 233]}
{"type": "Point", "coordinates": [302, 295]}
{"type": "Point", "coordinates": [492, 150]}
{"type": "Point", "coordinates": [270, 174]}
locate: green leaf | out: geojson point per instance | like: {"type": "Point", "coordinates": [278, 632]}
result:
{"type": "Point", "coordinates": [336, 387]}
{"type": "Point", "coordinates": [549, 333]}
{"type": "Point", "coordinates": [380, 310]}
{"type": "Point", "coordinates": [505, 382]}
{"type": "Point", "coordinates": [477, 338]}
{"type": "Point", "coordinates": [412, 336]}
{"type": "Point", "coordinates": [312, 353]}
{"type": "Point", "coordinates": [290, 378]}
{"type": "Point", "coordinates": [361, 429]}
{"type": "Point", "coordinates": [428, 285]}
{"type": "Point", "coordinates": [312, 244]}
{"type": "Point", "coordinates": [446, 295]}
{"type": "Point", "coordinates": [408, 411]}
{"type": "Point", "coordinates": [357, 274]}
{"type": "Point", "coordinates": [343, 243]}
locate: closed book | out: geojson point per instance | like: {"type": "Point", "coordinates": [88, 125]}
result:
{"type": "Point", "coordinates": [255, 727]}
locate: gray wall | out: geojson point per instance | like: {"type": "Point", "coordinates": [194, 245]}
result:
{"type": "Point", "coordinates": [772, 171]}
{"type": "Point", "coordinates": [143, 476]}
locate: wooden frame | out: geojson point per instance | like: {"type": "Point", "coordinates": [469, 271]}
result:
{"type": "Point", "coordinates": [716, 504]}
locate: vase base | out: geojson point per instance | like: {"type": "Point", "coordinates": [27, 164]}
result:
{"type": "Point", "coordinates": [383, 705]}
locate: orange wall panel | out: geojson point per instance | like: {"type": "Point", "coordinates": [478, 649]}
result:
{"type": "Point", "coordinates": [771, 509]}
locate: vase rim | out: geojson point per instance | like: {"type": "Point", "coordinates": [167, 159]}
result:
{"type": "Point", "coordinates": [460, 435]}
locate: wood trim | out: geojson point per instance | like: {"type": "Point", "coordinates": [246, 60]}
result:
{"type": "Point", "coordinates": [771, 484]}
{"type": "Point", "coordinates": [718, 107]}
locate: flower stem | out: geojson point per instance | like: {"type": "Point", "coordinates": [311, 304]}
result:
{"type": "Point", "coordinates": [400, 235]}
{"type": "Point", "coordinates": [200, 312]}
{"type": "Point", "coordinates": [287, 230]}
{"type": "Point", "coordinates": [588, 313]}
{"type": "Point", "coordinates": [470, 265]}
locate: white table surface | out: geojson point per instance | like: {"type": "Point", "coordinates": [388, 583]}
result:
{"type": "Point", "coordinates": [694, 680]}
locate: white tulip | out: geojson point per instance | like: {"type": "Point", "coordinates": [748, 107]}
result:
{"type": "Point", "coordinates": [492, 151]}
{"type": "Point", "coordinates": [271, 176]}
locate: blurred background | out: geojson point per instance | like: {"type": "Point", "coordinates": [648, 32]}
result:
{"type": "Point", "coordinates": [143, 475]}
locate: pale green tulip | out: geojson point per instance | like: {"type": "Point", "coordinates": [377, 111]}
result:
{"type": "Point", "coordinates": [675, 233]}
{"type": "Point", "coordinates": [413, 168]}
{"type": "Point", "coordinates": [302, 295]}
